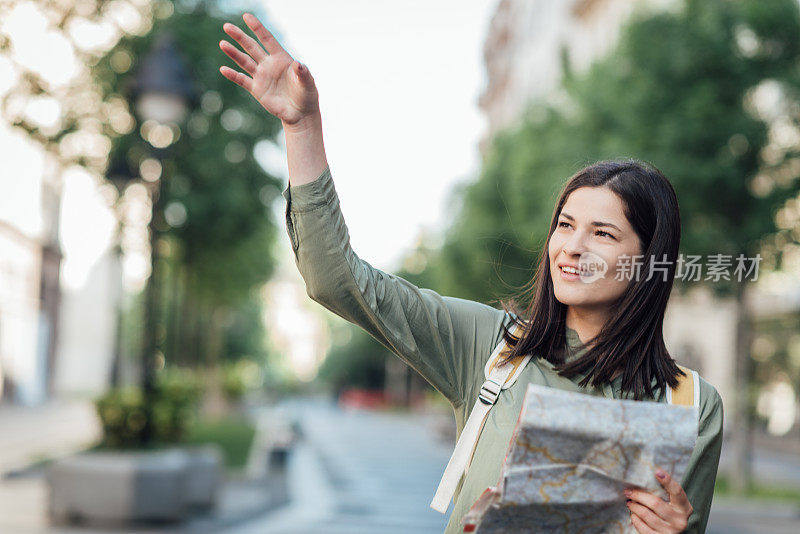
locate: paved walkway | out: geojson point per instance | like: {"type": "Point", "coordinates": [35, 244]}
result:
{"type": "Point", "coordinates": [51, 430]}
{"type": "Point", "coordinates": [359, 472]}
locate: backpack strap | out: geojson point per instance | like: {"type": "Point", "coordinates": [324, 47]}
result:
{"type": "Point", "coordinates": [687, 392]}
{"type": "Point", "coordinates": [498, 378]}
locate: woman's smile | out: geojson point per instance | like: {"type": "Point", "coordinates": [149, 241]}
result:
{"type": "Point", "coordinates": [591, 234]}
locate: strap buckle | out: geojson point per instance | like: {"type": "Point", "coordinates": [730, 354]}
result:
{"type": "Point", "coordinates": [489, 392]}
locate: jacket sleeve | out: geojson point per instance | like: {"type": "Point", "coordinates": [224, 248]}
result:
{"type": "Point", "coordinates": [445, 339]}
{"type": "Point", "coordinates": [701, 473]}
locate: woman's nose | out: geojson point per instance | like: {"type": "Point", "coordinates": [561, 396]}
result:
{"type": "Point", "coordinates": [575, 245]}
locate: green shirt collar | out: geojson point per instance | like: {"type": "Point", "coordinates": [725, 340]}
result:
{"type": "Point", "coordinates": [575, 350]}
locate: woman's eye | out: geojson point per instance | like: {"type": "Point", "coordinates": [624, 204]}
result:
{"type": "Point", "coordinates": [599, 232]}
{"type": "Point", "coordinates": [563, 224]}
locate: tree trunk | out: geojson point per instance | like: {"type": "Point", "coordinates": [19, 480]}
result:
{"type": "Point", "coordinates": [742, 432]}
{"type": "Point", "coordinates": [395, 386]}
{"type": "Point", "coordinates": [215, 405]}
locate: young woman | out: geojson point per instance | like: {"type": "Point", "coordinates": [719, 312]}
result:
{"type": "Point", "coordinates": [601, 336]}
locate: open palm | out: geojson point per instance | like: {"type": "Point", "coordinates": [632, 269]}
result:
{"type": "Point", "coordinates": [283, 86]}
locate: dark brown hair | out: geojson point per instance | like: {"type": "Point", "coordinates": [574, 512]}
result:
{"type": "Point", "coordinates": [632, 339]}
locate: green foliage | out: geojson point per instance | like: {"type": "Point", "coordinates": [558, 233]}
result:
{"type": "Point", "coordinates": [240, 377]}
{"type": "Point", "coordinates": [677, 91]}
{"type": "Point", "coordinates": [490, 250]}
{"type": "Point", "coordinates": [246, 336]}
{"type": "Point", "coordinates": [233, 435]}
{"type": "Point", "coordinates": [122, 416]}
{"type": "Point", "coordinates": [214, 226]}
{"type": "Point", "coordinates": [355, 362]}
{"type": "Point", "coordinates": [178, 392]}
{"type": "Point", "coordinates": [210, 171]}
{"type": "Point", "coordinates": [122, 411]}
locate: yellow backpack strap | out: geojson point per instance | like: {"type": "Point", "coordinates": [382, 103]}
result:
{"type": "Point", "coordinates": [687, 392]}
{"type": "Point", "coordinates": [517, 365]}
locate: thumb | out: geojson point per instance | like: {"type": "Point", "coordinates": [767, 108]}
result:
{"type": "Point", "coordinates": [302, 74]}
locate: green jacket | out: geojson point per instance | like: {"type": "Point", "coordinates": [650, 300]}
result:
{"type": "Point", "coordinates": [448, 340]}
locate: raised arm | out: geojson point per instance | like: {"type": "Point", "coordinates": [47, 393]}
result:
{"type": "Point", "coordinates": [286, 89]}
{"type": "Point", "coordinates": [447, 340]}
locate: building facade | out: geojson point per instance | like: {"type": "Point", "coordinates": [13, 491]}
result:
{"type": "Point", "coordinates": [528, 40]}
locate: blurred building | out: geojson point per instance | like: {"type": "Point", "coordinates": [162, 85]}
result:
{"type": "Point", "coordinates": [528, 40]}
{"type": "Point", "coordinates": [55, 338]}
{"type": "Point", "coordinates": [30, 263]}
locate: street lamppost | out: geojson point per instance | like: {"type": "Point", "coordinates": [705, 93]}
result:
{"type": "Point", "coordinates": [162, 92]}
{"type": "Point", "coordinates": [120, 175]}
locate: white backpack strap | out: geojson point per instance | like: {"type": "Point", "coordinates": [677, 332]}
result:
{"type": "Point", "coordinates": [498, 378]}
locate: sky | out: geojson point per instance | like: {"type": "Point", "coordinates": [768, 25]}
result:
{"type": "Point", "coordinates": [399, 84]}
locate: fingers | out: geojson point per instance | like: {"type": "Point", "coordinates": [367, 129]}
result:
{"type": "Point", "coordinates": [243, 60]}
{"type": "Point", "coordinates": [647, 499]}
{"type": "Point", "coordinates": [648, 516]}
{"type": "Point", "coordinates": [245, 41]}
{"type": "Point", "coordinates": [267, 39]}
{"type": "Point", "coordinates": [640, 525]}
{"type": "Point", "coordinates": [238, 78]}
{"type": "Point", "coordinates": [676, 494]}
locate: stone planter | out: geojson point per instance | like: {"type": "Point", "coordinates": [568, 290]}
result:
{"type": "Point", "coordinates": [123, 487]}
{"type": "Point", "coordinates": [204, 477]}
{"type": "Point", "coordinates": [119, 487]}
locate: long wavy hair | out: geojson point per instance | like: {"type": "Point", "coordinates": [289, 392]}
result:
{"type": "Point", "coordinates": [632, 339]}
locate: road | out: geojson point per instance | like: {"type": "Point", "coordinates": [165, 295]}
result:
{"type": "Point", "coordinates": [360, 472]}
{"type": "Point", "coordinates": [374, 473]}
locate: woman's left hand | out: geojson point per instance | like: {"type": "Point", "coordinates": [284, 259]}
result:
{"type": "Point", "coordinates": [650, 513]}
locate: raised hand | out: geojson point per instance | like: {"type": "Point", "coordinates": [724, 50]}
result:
{"type": "Point", "coordinates": [283, 86]}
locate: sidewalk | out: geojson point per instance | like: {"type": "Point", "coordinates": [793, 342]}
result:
{"type": "Point", "coordinates": [52, 430]}
{"type": "Point", "coordinates": [743, 516]}
{"type": "Point", "coordinates": [30, 435]}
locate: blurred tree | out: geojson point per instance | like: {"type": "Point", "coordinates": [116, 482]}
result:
{"type": "Point", "coordinates": [709, 94]}
{"type": "Point", "coordinates": [61, 111]}
{"type": "Point", "coordinates": [489, 251]}
{"type": "Point", "coordinates": [214, 223]}
{"type": "Point", "coordinates": [359, 362]}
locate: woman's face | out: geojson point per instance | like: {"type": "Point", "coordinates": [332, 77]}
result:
{"type": "Point", "coordinates": [592, 234]}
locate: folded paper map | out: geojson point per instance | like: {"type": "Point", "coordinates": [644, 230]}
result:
{"type": "Point", "coordinates": [571, 457]}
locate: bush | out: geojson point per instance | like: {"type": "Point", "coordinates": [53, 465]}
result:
{"type": "Point", "coordinates": [122, 416]}
{"type": "Point", "coordinates": [240, 377]}
{"type": "Point", "coordinates": [178, 393]}
{"type": "Point", "coordinates": [174, 406]}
